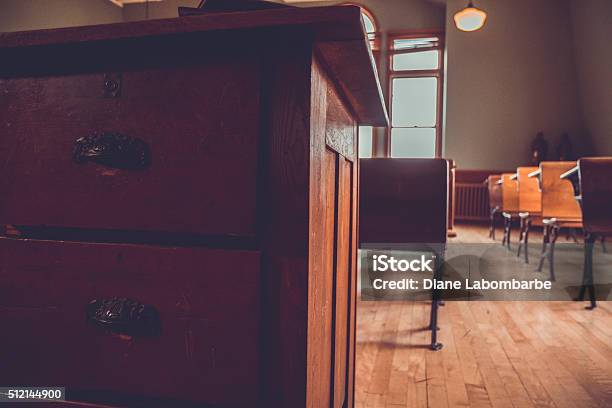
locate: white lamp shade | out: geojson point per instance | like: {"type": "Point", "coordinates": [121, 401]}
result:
{"type": "Point", "coordinates": [470, 18]}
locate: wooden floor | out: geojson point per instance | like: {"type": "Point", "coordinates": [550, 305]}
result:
{"type": "Point", "coordinates": [496, 354]}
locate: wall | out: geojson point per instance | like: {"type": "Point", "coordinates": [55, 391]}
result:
{"type": "Point", "coordinates": [402, 15]}
{"type": "Point", "coordinates": [162, 9]}
{"type": "Point", "coordinates": [592, 29]}
{"type": "Point", "coordinates": [509, 80]}
{"type": "Point", "coordinates": [19, 15]}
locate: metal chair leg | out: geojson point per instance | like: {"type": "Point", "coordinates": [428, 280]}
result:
{"type": "Point", "coordinates": [587, 274]}
{"type": "Point", "coordinates": [545, 243]}
{"type": "Point", "coordinates": [524, 236]}
{"type": "Point", "coordinates": [492, 222]}
{"type": "Point", "coordinates": [526, 239]}
{"type": "Point", "coordinates": [507, 230]}
{"type": "Point", "coordinates": [571, 233]}
{"type": "Point", "coordinates": [554, 234]}
{"type": "Point", "coordinates": [520, 240]}
{"type": "Point", "coordinates": [435, 303]}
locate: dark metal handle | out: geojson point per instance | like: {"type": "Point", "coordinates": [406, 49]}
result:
{"type": "Point", "coordinates": [124, 316]}
{"type": "Point", "coordinates": [113, 150]}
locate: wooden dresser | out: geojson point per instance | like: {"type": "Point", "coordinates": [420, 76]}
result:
{"type": "Point", "coordinates": [178, 204]}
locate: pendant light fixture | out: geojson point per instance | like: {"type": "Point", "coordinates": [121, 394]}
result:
{"type": "Point", "coordinates": [470, 18]}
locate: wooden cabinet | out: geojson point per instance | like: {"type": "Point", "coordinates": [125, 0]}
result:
{"type": "Point", "coordinates": [178, 203]}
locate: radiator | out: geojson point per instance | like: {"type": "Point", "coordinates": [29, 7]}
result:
{"type": "Point", "coordinates": [472, 201]}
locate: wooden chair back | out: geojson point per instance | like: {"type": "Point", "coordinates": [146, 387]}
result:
{"type": "Point", "coordinates": [596, 191]}
{"type": "Point", "coordinates": [495, 191]}
{"type": "Point", "coordinates": [530, 197]}
{"type": "Point", "coordinates": [510, 198]}
{"type": "Point", "coordinates": [403, 201]}
{"type": "Point", "coordinates": [557, 194]}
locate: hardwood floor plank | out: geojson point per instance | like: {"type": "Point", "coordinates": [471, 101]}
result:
{"type": "Point", "coordinates": [496, 354]}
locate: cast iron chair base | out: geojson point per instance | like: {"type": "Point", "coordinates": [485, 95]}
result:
{"type": "Point", "coordinates": [524, 235]}
{"type": "Point", "coordinates": [551, 233]}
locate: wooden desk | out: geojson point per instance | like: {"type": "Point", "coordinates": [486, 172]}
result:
{"type": "Point", "coordinates": [595, 191]}
{"type": "Point", "coordinates": [510, 195]}
{"type": "Point", "coordinates": [557, 193]}
{"type": "Point", "coordinates": [403, 201]}
{"type": "Point", "coordinates": [530, 197]}
{"type": "Point", "coordinates": [201, 192]}
{"type": "Point", "coordinates": [559, 208]}
{"type": "Point", "coordinates": [403, 204]}
{"type": "Point", "coordinates": [592, 187]}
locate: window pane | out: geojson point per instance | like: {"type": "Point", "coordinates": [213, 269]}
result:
{"type": "Point", "coordinates": [412, 43]}
{"type": "Point", "coordinates": [414, 102]}
{"type": "Point", "coordinates": [416, 60]}
{"type": "Point", "coordinates": [413, 143]}
{"type": "Point", "coordinates": [369, 24]}
{"type": "Point", "coordinates": [365, 141]}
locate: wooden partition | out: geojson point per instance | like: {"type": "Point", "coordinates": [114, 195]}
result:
{"type": "Point", "coordinates": [403, 201]}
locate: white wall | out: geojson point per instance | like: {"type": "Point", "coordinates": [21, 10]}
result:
{"type": "Point", "coordinates": [511, 79]}
{"type": "Point", "coordinates": [19, 15]}
{"type": "Point", "coordinates": [162, 9]}
{"type": "Point", "coordinates": [592, 29]}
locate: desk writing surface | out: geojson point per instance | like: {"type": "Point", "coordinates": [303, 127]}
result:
{"type": "Point", "coordinates": [336, 34]}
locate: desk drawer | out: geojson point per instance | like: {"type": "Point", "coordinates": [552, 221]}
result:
{"type": "Point", "coordinates": [171, 150]}
{"type": "Point", "coordinates": [194, 339]}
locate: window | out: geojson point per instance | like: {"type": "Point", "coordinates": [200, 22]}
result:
{"type": "Point", "coordinates": [370, 27]}
{"type": "Point", "coordinates": [365, 141]}
{"type": "Point", "coordinates": [415, 76]}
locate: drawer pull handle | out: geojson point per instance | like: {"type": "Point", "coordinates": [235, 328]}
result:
{"type": "Point", "coordinates": [124, 316]}
{"type": "Point", "coordinates": [113, 150]}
